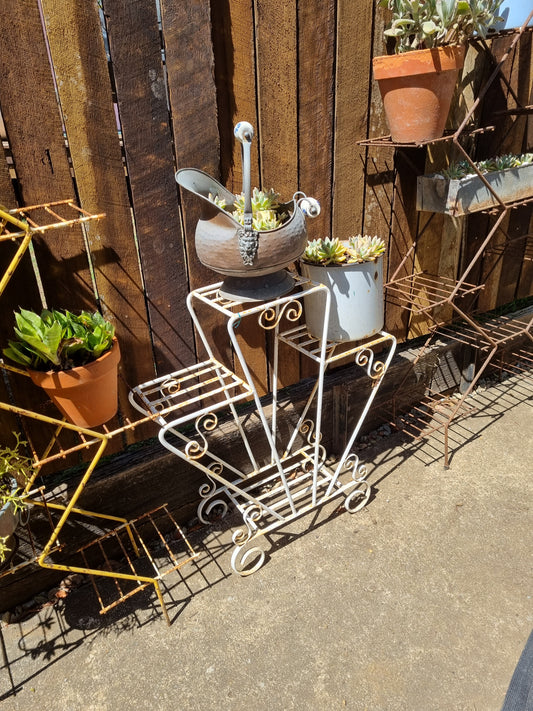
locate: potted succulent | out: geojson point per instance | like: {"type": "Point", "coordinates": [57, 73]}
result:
{"type": "Point", "coordinates": [249, 238]}
{"type": "Point", "coordinates": [14, 474]}
{"type": "Point", "coordinates": [417, 82]}
{"type": "Point", "coordinates": [353, 272]}
{"type": "Point", "coordinates": [458, 189]}
{"type": "Point", "coordinates": [74, 358]}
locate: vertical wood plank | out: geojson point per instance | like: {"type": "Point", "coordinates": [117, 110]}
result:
{"type": "Point", "coordinates": [519, 220]}
{"type": "Point", "coordinates": [83, 84]}
{"type": "Point", "coordinates": [506, 139]}
{"type": "Point", "coordinates": [135, 49]}
{"type": "Point", "coordinates": [9, 298]}
{"type": "Point", "coordinates": [355, 118]}
{"type": "Point", "coordinates": [277, 94]}
{"type": "Point", "coordinates": [234, 54]}
{"type": "Point", "coordinates": [276, 79]}
{"type": "Point", "coordinates": [35, 134]}
{"type": "Point", "coordinates": [409, 163]}
{"type": "Point", "coordinates": [235, 70]}
{"type": "Point", "coordinates": [316, 61]}
{"type": "Point", "coordinates": [317, 39]}
{"type": "Point", "coordinates": [193, 103]}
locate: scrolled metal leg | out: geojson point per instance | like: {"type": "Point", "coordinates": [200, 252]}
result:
{"type": "Point", "coordinates": [242, 557]}
{"type": "Point", "coordinates": [210, 493]}
{"type": "Point", "coordinates": [358, 497]}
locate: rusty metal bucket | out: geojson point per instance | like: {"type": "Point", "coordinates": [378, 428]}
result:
{"type": "Point", "coordinates": [253, 262]}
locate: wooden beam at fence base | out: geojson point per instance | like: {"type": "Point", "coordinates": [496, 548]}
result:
{"type": "Point", "coordinates": [135, 47]}
{"type": "Point", "coordinates": [83, 84]}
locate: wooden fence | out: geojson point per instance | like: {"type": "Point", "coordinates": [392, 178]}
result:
{"type": "Point", "coordinates": [105, 100]}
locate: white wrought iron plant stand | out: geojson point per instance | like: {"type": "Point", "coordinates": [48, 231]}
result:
{"type": "Point", "coordinates": [296, 479]}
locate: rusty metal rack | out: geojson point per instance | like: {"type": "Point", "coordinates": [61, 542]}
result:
{"type": "Point", "coordinates": [423, 293]}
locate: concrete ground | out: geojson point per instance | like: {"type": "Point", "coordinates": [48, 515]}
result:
{"type": "Point", "coordinates": [422, 601]}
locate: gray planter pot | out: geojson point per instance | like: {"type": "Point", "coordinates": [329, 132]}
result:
{"type": "Point", "coordinates": [356, 300]}
{"type": "Point", "coordinates": [461, 197]}
{"type": "Point", "coordinates": [8, 523]}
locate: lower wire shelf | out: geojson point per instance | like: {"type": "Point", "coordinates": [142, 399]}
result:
{"type": "Point", "coordinates": [431, 414]}
{"type": "Point", "coordinates": [134, 556]}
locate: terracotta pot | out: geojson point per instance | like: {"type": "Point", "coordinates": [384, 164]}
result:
{"type": "Point", "coordinates": [87, 395]}
{"type": "Point", "coordinates": [417, 89]}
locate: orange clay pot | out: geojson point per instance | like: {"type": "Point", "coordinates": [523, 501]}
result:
{"type": "Point", "coordinates": [417, 89]}
{"type": "Point", "coordinates": [87, 395]}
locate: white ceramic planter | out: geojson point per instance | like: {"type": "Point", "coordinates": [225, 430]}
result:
{"type": "Point", "coordinates": [356, 300]}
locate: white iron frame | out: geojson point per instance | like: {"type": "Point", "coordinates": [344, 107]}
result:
{"type": "Point", "coordinates": [297, 479]}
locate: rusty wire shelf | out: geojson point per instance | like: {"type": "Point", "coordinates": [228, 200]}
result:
{"type": "Point", "coordinates": [124, 550]}
{"type": "Point", "coordinates": [421, 291]}
{"type": "Point", "coordinates": [431, 414]}
{"type": "Point", "coordinates": [30, 531]}
{"type": "Point", "coordinates": [387, 142]}
{"type": "Point", "coordinates": [206, 382]}
{"type": "Point", "coordinates": [25, 222]}
{"type": "Point", "coordinates": [486, 333]}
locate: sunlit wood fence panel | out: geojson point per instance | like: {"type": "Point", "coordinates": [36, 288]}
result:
{"type": "Point", "coordinates": [104, 100]}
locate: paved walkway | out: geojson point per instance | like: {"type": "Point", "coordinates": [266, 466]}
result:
{"type": "Point", "coordinates": [421, 602]}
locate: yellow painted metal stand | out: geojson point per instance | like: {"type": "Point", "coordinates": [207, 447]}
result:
{"type": "Point", "coordinates": [20, 226]}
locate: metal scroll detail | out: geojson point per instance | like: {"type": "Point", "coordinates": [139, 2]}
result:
{"type": "Point", "coordinates": [307, 428]}
{"type": "Point", "coordinates": [242, 557]}
{"type": "Point", "coordinates": [208, 491]}
{"type": "Point", "coordinates": [195, 449]}
{"type": "Point", "coordinates": [270, 318]}
{"type": "Point", "coordinates": [167, 389]}
{"type": "Point", "coordinates": [248, 245]}
{"type": "Point", "coordinates": [365, 359]}
{"type": "Point", "coordinates": [360, 494]}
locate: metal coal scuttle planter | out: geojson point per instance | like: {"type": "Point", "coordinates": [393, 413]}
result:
{"type": "Point", "coordinates": [253, 262]}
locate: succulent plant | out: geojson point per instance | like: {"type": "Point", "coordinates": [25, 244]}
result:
{"type": "Point", "coordinates": [357, 249]}
{"type": "Point", "coordinates": [59, 340]}
{"type": "Point", "coordinates": [325, 251]}
{"type": "Point", "coordinates": [461, 169]}
{"type": "Point", "coordinates": [265, 209]}
{"type": "Point", "coordinates": [15, 470]}
{"type": "Point", "coordinates": [363, 248]}
{"type": "Point", "coordinates": [423, 24]}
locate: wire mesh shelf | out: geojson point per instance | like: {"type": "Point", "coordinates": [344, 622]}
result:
{"type": "Point", "coordinates": [43, 217]}
{"type": "Point", "coordinates": [133, 556]}
{"type": "Point", "coordinates": [299, 339]}
{"type": "Point", "coordinates": [421, 291]}
{"type": "Point", "coordinates": [431, 414]}
{"type": "Point", "coordinates": [205, 386]}
{"type": "Point", "coordinates": [486, 333]}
